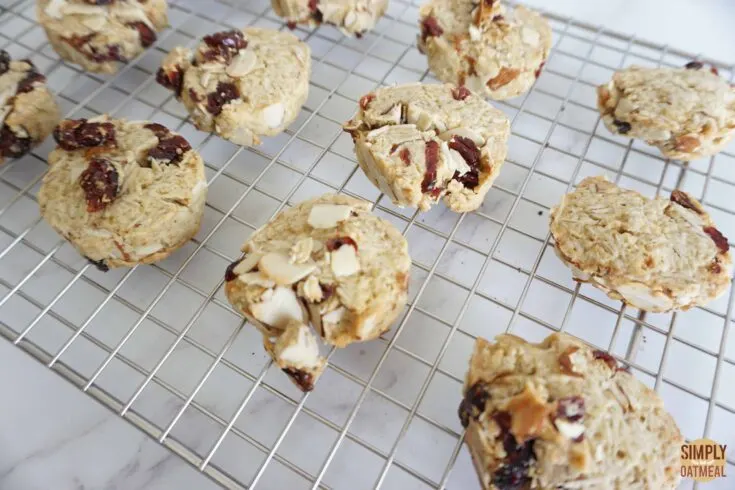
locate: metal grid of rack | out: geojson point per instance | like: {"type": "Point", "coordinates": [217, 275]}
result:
{"type": "Point", "coordinates": [160, 346]}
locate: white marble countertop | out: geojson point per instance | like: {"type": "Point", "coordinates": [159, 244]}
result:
{"type": "Point", "coordinates": [54, 437]}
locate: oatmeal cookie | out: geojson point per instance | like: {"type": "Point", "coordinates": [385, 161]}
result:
{"type": "Point", "coordinates": [560, 414]}
{"type": "Point", "coordinates": [241, 84]}
{"type": "Point", "coordinates": [688, 113]}
{"type": "Point", "coordinates": [327, 262]}
{"type": "Point", "coordinates": [100, 34]}
{"type": "Point", "coordinates": [418, 143]}
{"type": "Point", "coordinates": [352, 17]}
{"type": "Point", "coordinates": [28, 110]}
{"type": "Point", "coordinates": [497, 52]}
{"type": "Point", "coordinates": [654, 254]}
{"type": "Point", "coordinates": [123, 193]}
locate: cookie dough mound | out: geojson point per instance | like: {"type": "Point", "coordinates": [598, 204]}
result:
{"type": "Point", "coordinates": [418, 143]}
{"type": "Point", "coordinates": [28, 110]}
{"type": "Point", "coordinates": [241, 84]}
{"type": "Point", "coordinates": [352, 17]}
{"type": "Point", "coordinates": [654, 254]}
{"type": "Point", "coordinates": [688, 113]}
{"type": "Point", "coordinates": [123, 193]}
{"type": "Point", "coordinates": [99, 34]}
{"type": "Point", "coordinates": [560, 414]}
{"type": "Point", "coordinates": [496, 52]}
{"type": "Point", "coordinates": [328, 262]}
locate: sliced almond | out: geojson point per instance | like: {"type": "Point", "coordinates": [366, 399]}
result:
{"type": "Point", "coordinates": [570, 430]}
{"type": "Point", "coordinates": [242, 63]}
{"type": "Point", "coordinates": [301, 251]}
{"type": "Point", "coordinates": [242, 136]}
{"type": "Point", "coordinates": [344, 261]}
{"type": "Point", "coordinates": [297, 347]}
{"type": "Point", "coordinates": [148, 249]}
{"type": "Point", "coordinates": [278, 308]}
{"type": "Point", "coordinates": [312, 290]}
{"type": "Point", "coordinates": [350, 18]}
{"type": "Point", "coordinates": [82, 9]}
{"type": "Point", "coordinates": [95, 22]}
{"type": "Point", "coordinates": [256, 279]}
{"type": "Point", "coordinates": [247, 264]}
{"type": "Point", "coordinates": [324, 216]}
{"type": "Point", "coordinates": [475, 33]}
{"type": "Point", "coordinates": [640, 296]}
{"type": "Point", "coordinates": [55, 9]}
{"type": "Point", "coordinates": [530, 36]}
{"type": "Point", "coordinates": [334, 316]}
{"type": "Point", "coordinates": [273, 115]}
{"type": "Point", "coordinates": [276, 266]}
{"type": "Point", "coordinates": [464, 133]}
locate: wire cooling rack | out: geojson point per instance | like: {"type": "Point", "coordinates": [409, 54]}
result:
{"type": "Point", "coordinates": [160, 345]}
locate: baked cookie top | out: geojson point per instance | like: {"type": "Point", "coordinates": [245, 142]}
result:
{"type": "Point", "coordinates": [121, 191]}
{"type": "Point", "coordinates": [429, 141]}
{"type": "Point", "coordinates": [352, 17]}
{"type": "Point", "coordinates": [687, 112]}
{"type": "Point", "coordinates": [658, 254]}
{"type": "Point", "coordinates": [493, 50]}
{"type": "Point", "coordinates": [104, 31]}
{"type": "Point", "coordinates": [560, 414]}
{"type": "Point", "coordinates": [28, 111]}
{"type": "Point", "coordinates": [241, 83]}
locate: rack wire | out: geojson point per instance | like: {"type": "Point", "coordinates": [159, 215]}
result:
{"type": "Point", "coordinates": [161, 346]}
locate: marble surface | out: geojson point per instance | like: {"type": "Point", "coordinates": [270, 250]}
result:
{"type": "Point", "coordinates": [54, 437]}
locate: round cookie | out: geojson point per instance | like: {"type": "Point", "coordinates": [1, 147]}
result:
{"type": "Point", "coordinates": [123, 193]}
{"type": "Point", "coordinates": [560, 414]}
{"type": "Point", "coordinates": [241, 84]}
{"type": "Point", "coordinates": [494, 51]}
{"type": "Point", "coordinates": [28, 110]}
{"type": "Point", "coordinates": [99, 34]}
{"type": "Point", "coordinates": [418, 143]}
{"type": "Point", "coordinates": [654, 254]}
{"type": "Point", "coordinates": [328, 262]}
{"type": "Point", "coordinates": [688, 113]}
{"type": "Point", "coordinates": [352, 17]}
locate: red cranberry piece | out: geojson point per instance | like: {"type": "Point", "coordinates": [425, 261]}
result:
{"type": "Point", "coordinates": [460, 93]}
{"type": "Point", "coordinates": [498, 18]}
{"type": "Point", "coordinates": [365, 101]}
{"type": "Point", "coordinates": [682, 199]}
{"type": "Point", "coordinates": [230, 271]}
{"type": "Point", "coordinates": [304, 380]}
{"type": "Point", "coordinates": [172, 80]}
{"type": "Point", "coordinates": [717, 237]}
{"type": "Point", "coordinates": [28, 83]}
{"type": "Point", "coordinates": [430, 28]}
{"type": "Point", "coordinates": [431, 155]}
{"type": "Point", "coordinates": [405, 156]}
{"type": "Point", "coordinates": [316, 14]}
{"type": "Point", "coordinates": [335, 243]}
{"type": "Point", "coordinates": [540, 69]}
{"type": "Point", "coordinates": [12, 145]}
{"type": "Point", "coordinates": [75, 134]}
{"type": "Point", "coordinates": [291, 25]}
{"type": "Point", "coordinates": [606, 358]}
{"type": "Point", "coordinates": [225, 93]}
{"type": "Point", "coordinates": [4, 61]}
{"type": "Point", "coordinates": [694, 65]}
{"type": "Point", "coordinates": [715, 267]}
{"type": "Point", "coordinates": [471, 155]}
{"type": "Point", "coordinates": [170, 150]}
{"type": "Point", "coordinates": [147, 35]}
{"type": "Point", "coordinates": [327, 291]}
{"type": "Point", "coordinates": [99, 264]}
{"type": "Point", "coordinates": [313, 5]}
{"type": "Point", "coordinates": [570, 408]}
{"type": "Point", "coordinates": [513, 474]}
{"type": "Point", "coordinates": [100, 2]}
{"type": "Point", "coordinates": [224, 44]}
{"type": "Point", "coordinates": [159, 130]}
{"type": "Point", "coordinates": [95, 53]}
{"type": "Point", "coordinates": [100, 184]}
{"type": "Point", "coordinates": [473, 403]}
{"type": "Point", "coordinates": [622, 126]}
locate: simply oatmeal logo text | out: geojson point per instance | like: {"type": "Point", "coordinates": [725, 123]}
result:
{"type": "Point", "coordinates": [703, 460]}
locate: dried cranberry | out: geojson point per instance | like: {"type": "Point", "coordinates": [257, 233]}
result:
{"type": "Point", "coordinates": [26, 85]}
{"type": "Point", "coordinates": [714, 70]}
{"type": "Point", "coordinates": [159, 130]}
{"type": "Point", "coordinates": [170, 150]}
{"type": "Point", "coordinates": [291, 25]}
{"type": "Point", "coordinates": [473, 403]}
{"type": "Point", "coordinates": [540, 69]}
{"type": "Point", "coordinates": [431, 155]}
{"type": "Point", "coordinates": [4, 61]}
{"type": "Point", "coordinates": [430, 28]}
{"type": "Point", "coordinates": [471, 155]}
{"type": "Point", "coordinates": [100, 2]}
{"type": "Point", "coordinates": [304, 380]}
{"type": "Point", "coordinates": [335, 243]}
{"type": "Point", "coordinates": [498, 18]}
{"type": "Point", "coordinates": [83, 44]}
{"type": "Point", "coordinates": [230, 271]}
{"type": "Point", "coordinates": [12, 145]}
{"type": "Point", "coordinates": [316, 14]}
{"type": "Point", "coordinates": [405, 156]}
{"type": "Point", "coordinates": [606, 358]}
{"type": "Point", "coordinates": [224, 44]}
{"type": "Point", "coordinates": [99, 264]}
{"type": "Point", "coordinates": [147, 35]}
{"type": "Point", "coordinates": [327, 291]}
{"type": "Point", "coordinates": [513, 474]}
{"type": "Point", "coordinates": [100, 184]}
{"type": "Point", "coordinates": [172, 80]}
{"type": "Point", "coordinates": [73, 134]}
{"type": "Point", "coordinates": [683, 199]}
{"type": "Point", "coordinates": [365, 100]}
{"type": "Point", "coordinates": [694, 65]}
{"type": "Point", "coordinates": [460, 93]}
{"type": "Point", "coordinates": [622, 126]}
{"type": "Point", "coordinates": [717, 237]}
{"type": "Point", "coordinates": [313, 5]}
{"type": "Point", "coordinates": [570, 408]}
{"type": "Point", "coordinates": [225, 93]}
